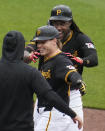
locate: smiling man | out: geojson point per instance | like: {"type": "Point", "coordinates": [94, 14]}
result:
{"type": "Point", "coordinates": [60, 73]}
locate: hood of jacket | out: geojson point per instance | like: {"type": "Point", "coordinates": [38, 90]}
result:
{"type": "Point", "coordinates": [13, 46]}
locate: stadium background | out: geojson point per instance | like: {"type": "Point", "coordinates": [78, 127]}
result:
{"type": "Point", "coordinates": [27, 15]}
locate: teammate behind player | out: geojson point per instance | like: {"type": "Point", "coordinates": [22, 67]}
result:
{"type": "Point", "coordinates": [73, 40]}
{"type": "Point", "coordinates": [58, 70]}
{"type": "Point", "coordinates": [78, 44]}
{"type": "Point", "coordinates": [18, 82]}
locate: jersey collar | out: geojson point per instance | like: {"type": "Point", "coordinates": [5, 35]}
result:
{"type": "Point", "coordinates": [48, 58]}
{"type": "Point", "coordinates": [69, 38]}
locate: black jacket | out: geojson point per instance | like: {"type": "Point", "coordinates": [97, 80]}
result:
{"type": "Point", "coordinates": [18, 82]}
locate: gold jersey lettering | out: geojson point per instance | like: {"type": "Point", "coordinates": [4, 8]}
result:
{"type": "Point", "coordinates": [46, 74]}
{"type": "Point", "coordinates": [58, 12]}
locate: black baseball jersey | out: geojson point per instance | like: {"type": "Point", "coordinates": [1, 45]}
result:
{"type": "Point", "coordinates": [80, 45]}
{"type": "Point", "coordinates": [58, 71]}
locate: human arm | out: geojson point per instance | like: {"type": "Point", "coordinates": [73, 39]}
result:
{"type": "Point", "coordinates": [65, 71]}
{"type": "Point", "coordinates": [29, 57]}
{"type": "Point", "coordinates": [31, 53]}
{"type": "Point", "coordinates": [89, 60]}
{"type": "Point", "coordinates": [86, 53]}
{"type": "Point", "coordinates": [76, 81]}
{"type": "Point", "coordinates": [78, 119]}
{"type": "Point", "coordinates": [71, 113]}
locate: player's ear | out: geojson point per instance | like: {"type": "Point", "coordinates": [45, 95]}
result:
{"type": "Point", "coordinates": [55, 40]}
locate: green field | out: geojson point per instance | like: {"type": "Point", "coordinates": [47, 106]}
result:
{"type": "Point", "coordinates": [27, 15]}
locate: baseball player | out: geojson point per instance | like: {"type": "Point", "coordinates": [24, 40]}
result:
{"type": "Point", "coordinates": [60, 73]}
{"type": "Point", "coordinates": [75, 42]}
{"type": "Point", "coordinates": [18, 82]}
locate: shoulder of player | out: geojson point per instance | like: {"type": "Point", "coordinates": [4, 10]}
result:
{"type": "Point", "coordinates": [61, 58]}
{"type": "Point", "coordinates": [84, 41]}
{"type": "Point", "coordinates": [82, 37]}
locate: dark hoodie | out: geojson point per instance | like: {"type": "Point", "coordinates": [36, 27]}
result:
{"type": "Point", "coordinates": [18, 82]}
{"type": "Point", "coordinates": [13, 46]}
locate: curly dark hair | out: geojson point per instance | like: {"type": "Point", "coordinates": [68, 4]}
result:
{"type": "Point", "coordinates": [74, 27]}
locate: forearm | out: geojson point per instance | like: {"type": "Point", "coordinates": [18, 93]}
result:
{"type": "Point", "coordinates": [91, 60]}
{"type": "Point", "coordinates": [30, 54]}
{"type": "Point", "coordinates": [90, 57]}
{"type": "Point", "coordinates": [74, 77]}
{"type": "Point", "coordinates": [59, 104]}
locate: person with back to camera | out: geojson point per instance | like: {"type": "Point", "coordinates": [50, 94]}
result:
{"type": "Point", "coordinates": [18, 82]}
{"type": "Point", "coordinates": [60, 73]}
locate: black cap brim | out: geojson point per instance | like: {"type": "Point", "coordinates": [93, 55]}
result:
{"type": "Point", "coordinates": [41, 38]}
{"type": "Point", "coordinates": [62, 18]}
{"type": "Point", "coordinates": [45, 38]}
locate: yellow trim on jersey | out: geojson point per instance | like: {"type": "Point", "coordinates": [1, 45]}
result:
{"type": "Point", "coordinates": [68, 74]}
{"type": "Point", "coordinates": [47, 58]}
{"type": "Point", "coordinates": [70, 36]}
{"type": "Point", "coordinates": [48, 121]}
{"type": "Point", "coordinates": [69, 91]}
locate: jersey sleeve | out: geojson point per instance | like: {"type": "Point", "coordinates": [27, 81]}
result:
{"type": "Point", "coordinates": [63, 69]}
{"type": "Point", "coordinates": [89, 53]}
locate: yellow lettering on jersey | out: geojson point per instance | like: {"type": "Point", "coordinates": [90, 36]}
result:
{"type": "Point", "coordinates": [46, 74]}
{"type": "Point", "coordinates": [58, 12]}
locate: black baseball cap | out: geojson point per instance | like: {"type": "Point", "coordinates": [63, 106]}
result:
{"type": "Point", "coordinates": [46, 32]}
{"type": "Point", "coordinates": [62, 13]}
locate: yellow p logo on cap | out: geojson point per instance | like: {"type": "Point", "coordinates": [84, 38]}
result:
{"type": "Point", "coordinates": [38, 32]}
{"type": "Point", "coordinates": [58, 12]}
